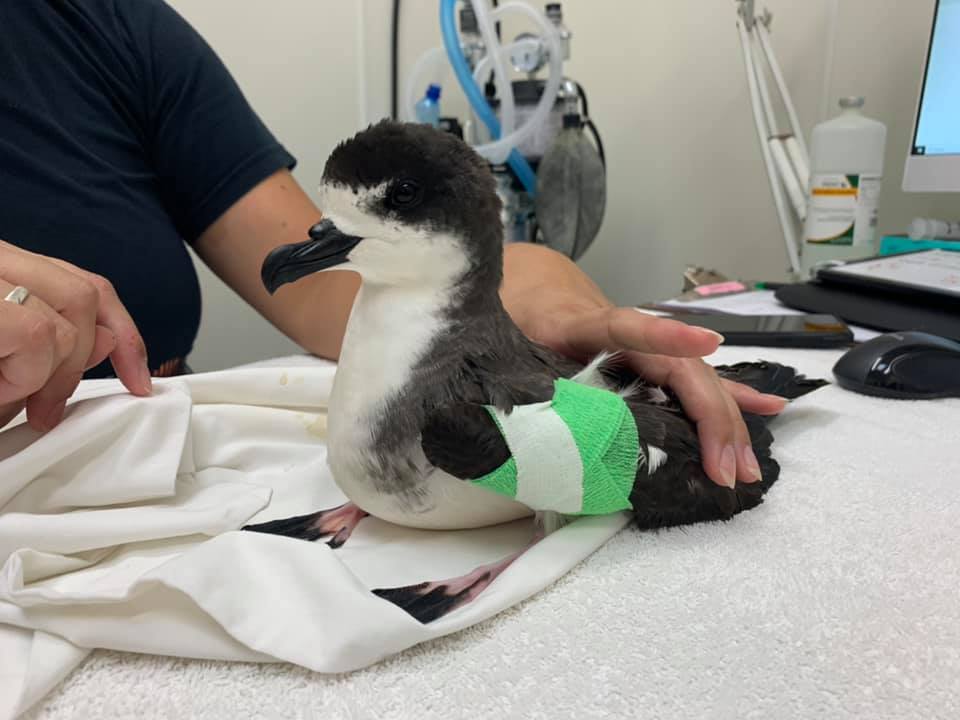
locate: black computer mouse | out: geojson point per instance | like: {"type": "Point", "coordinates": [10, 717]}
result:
{"type": "Point", "coordinates": [902, 365]}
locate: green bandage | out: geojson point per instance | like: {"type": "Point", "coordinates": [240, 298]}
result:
{"type": "Point", "coordinates": [576, 455]}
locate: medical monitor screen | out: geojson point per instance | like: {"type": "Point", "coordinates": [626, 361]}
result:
{"type": "Point", "coordinates": [938, 125]}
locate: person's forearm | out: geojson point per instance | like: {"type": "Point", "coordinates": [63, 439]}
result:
{"type": "Point", "coordinates": [531, 270]}
{"type": "Point", "coordinates": [312, 312]}
{"type": "Point", "coordinates": [315, 314]}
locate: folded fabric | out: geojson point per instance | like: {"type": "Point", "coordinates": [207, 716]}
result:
{"type": "Point", "coordinates": [120, 529]}
{"type": "Point", "coordinates": [836, 598]}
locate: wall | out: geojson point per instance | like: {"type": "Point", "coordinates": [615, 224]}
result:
{"type": "Point", "coordinates": [297, 63]}
{"type": "Point", "coordinates": [881, 57]}
{"type": "Point", "coordinates": [667, 88]}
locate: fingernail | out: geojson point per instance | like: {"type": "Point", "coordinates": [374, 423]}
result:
{"type": "Point", "coordinates": [54, 417]}
{"type": "Point", "coordinates": [750, 462]}
{"type": "Point", "coordinates": [145, 382]}
{"type": "Point", "coordinates": [713, 333]}
{"type": "Point", "coordinates": [728, 467]}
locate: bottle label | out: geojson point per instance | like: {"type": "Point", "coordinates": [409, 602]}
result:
{"type": "Point", "coordinates": [843, 209]}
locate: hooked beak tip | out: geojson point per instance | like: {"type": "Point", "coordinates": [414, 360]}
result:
{"type": "Point", "coordinates": [326, 248]}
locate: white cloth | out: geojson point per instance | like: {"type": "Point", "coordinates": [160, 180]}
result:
{"type": "Point", "coordinates": [118, 530]}
{"type": "Point", "coordinates": [837, 598]}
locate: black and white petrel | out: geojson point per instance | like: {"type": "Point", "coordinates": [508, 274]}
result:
{"type": "Point", "coordinates": [429, 349]}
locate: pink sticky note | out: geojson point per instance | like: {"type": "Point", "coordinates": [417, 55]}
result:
{"type": "Point", "coordinates": [717, 288]}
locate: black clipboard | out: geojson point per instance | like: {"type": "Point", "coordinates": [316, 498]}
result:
{"type": "Point", "coordinates": [880, 304]}
{"type": "Point", "coordinates": [898, 275]}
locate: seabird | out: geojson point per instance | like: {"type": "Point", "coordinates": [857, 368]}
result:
{"type": "Point", "coordinates": [430, 357]}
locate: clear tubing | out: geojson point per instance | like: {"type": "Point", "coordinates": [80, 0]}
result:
{"type": "Point", "coordinates": [490, 40]}
{"type": "Point", "coordinates": [483, 67]}
{"type": "Point", "coordinates": [551, 89]}
{"type": "Point", "coordinates": [474, 95]}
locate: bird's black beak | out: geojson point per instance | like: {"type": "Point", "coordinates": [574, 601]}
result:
{"type": "Point", "coordinates": [326, 248]}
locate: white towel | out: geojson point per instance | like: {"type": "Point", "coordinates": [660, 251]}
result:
{"type": "Point", "coordinates": [119, 530]}
{"type": "Point", "coordinates": [837, 598]}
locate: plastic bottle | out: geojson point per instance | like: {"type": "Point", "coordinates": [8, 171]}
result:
{"type": "Point", "coordinates": [428, 109]}
{"type": "Point", "coordinates": [927, 229]}
{"type": "Point", "coordinates": [846, 158]}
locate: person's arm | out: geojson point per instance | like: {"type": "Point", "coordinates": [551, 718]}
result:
{"type": "Point", "coordinates": [70, 321]}
{"type": "Point", "coordinates": [557, 304]}
{"type": "Point", "coordinates": [224, 178]}
{"type": "Point", "coordinates": [313, 312]}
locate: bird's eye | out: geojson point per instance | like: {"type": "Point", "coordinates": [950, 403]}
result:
{"type": "Point", "coordinates": [405, 194]}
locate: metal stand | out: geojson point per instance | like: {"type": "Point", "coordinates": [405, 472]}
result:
{"type": "Point", "coordinates": [784, 153]}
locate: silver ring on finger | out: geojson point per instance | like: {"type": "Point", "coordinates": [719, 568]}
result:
{"type": "Point", "coordinates": [17, 296]}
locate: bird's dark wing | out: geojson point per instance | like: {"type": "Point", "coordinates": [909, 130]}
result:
{"type": "Point", "coordinates": [772, 378]}
{"type": "Point", "coordinates": [464, 441]}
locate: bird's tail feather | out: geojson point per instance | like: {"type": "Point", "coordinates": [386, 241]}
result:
{"type": "Point", "coordinates": [771, 378]}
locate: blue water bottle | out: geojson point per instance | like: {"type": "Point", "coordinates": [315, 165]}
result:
{"type": "Point", "coordinates": [428, 109]}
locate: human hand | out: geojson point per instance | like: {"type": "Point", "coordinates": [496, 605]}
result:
{"type": "Point", "coordinates": [562, 309]}
{"type": "Point", "coordinates": [71, 321]}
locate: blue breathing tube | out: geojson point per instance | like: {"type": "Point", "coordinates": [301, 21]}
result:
{"type": "Point", "coordinates": [451, 41]}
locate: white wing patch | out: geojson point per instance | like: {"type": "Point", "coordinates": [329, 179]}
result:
{"type": "Point", "coordinates": [628, 391]}
{"type": "Point", "coordinates": [657, 457]}
{"type": "Point", "coordinates": [592, 374]}
{"type": "Point", "coordinates": [657, 396]}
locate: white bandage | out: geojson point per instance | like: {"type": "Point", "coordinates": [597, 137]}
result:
{"type": "Point", "coordinates": [549, 468]}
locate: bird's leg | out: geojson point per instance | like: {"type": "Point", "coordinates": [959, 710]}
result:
{"type": "Point", "coordinates": [430, 600]}
{"type": "Point", "coordinates": [338, 522]}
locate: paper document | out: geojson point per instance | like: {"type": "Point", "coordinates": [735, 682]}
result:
{"type": "Point", "coordinates": [936, 270]}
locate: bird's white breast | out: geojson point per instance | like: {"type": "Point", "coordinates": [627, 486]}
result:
{"type": "Point", "coordinates": [388, 332]}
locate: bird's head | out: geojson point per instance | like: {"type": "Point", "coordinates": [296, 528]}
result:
{"type": "Point", "coordinates": [404, 205]}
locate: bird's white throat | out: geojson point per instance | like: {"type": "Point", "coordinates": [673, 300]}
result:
{"type": "Point", "coordinates": [409, 279]}
{"type": "Point", "coordinates": [388, 333]}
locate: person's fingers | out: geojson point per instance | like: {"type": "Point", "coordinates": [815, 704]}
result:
{"type": "Point", "coordinates": [104, 343]}
{"type": "Point", "coordinates": [725, 445]}
{"type": "Point", "coordinates": [748, 468]}
{"type": "Point", "coordinates": [28, 349]}
{"type": "Point", "coordinates": [589, 332]}
{"type": "Point", "coordinates": [699, 391]}
{"type": "Point", "coordinates": [749, 400]}
{"type": "Point", "coordinates": [656, 369]}
{"type": "Point", "coordinates": [743, 398]}
{"type": "Point", "coordinates": [652, 368]}
{"type": "Point", "coordinates": [74, 299]}
{"type": "Point", "coordinates": [9, 411]}
{"type": "Point", "coordinates": [129, 356]}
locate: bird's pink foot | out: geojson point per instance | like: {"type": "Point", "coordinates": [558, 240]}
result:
{"type": "Point", "coordinates": [337, 524]}
{"type": "Point", "coordinates": [430, 600]}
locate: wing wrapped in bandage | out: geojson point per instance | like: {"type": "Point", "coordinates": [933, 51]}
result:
{"type": "Point", "coordinates": [576, 454]}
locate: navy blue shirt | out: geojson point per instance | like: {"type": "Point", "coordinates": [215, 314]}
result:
{"type": "Point", "coordinates": [122, 136]}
